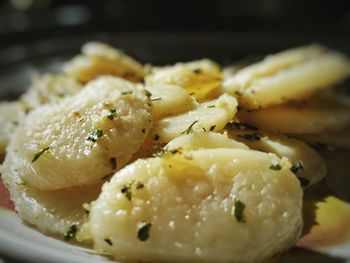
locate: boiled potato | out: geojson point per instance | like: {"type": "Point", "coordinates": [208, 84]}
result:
{"type": "Point", "coordinates": [202, 140]}
{"type": "Point", "coordinates": [208, 116]}
{"type": "Point", "coordinates": [84, 137]}
{"type": "Point", "coordinates": [299, 78]}
{"type": "Point", "coordinates": [49, 88]}
{"type": "Point", "coordinates": [169, 100]}
{"type": "Point", "coordinates": [272, 64]}
{"type": "Point", "coordinates": [11, 113]}
{"type": "Point", "coordinates": [199, 78]}
{"type": "Point", "coordinates": [319, 114]}
{"type": "Point", "coordinates": [53, 212]}
{"type": "Point", "coordinates": [307, 164]}
{"type": "Point", "coordinates": [101, 59]}
{"type": "Point", "coordinates": [210, 205]}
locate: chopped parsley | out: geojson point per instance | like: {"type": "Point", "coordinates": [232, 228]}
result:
{"type": "Point", "coordinates": [38, 154]}
{"type": "Point", "coordinates": [139, 186]}
{"type": "Point", "coordinates": [113, 162]}
{"type": "Point", "coordinates": [126, 190]}
{"type": "Point", "coordinates": [126, 92]}
{"type": "Point", "coordinates": [212, 127]}
{"type": "Point", "coordinates": [148, 94]}
{"type": "Point", "coordinates": [239, 209]}
{"type": "Point", "coordinates": [156, 137]}
{"type": "Point", "coordinates": [198, 71]}
{"type": "Point", "coordinates": [143, 231]}
{"type": "Point", "coordinates": [189, 129]}
{"type": "Point", "coordinates": [242, 126]}
{"type": "Point", "coordinates": [296, 168]}
{"type": "Point", "coordinates": [112, 114]}
{"type": "Point", "coordinates": [108, 241]}
{"type": "Point", "coordinates": [71, 232]}
{"type": "Point", "coordinates": [275, 167]}
{"type": "Point", "coordinates": [250, 136]}
{"type": "Point", "coordinates": [211, 106]}
{"type": "Point", "coordinates": [159, 151]}
{"type": "Point", "coordinates": [95, 135]}
{"type": "Point", "coordinates": [143, 130]}
{"type": "Point", "coordinates": [304, 182]}
{"type": "Point", "coordinates": [156, 99]}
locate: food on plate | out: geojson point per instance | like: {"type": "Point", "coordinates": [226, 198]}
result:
{"type": "Point", "coordinates": [307, 164]}
{"type": "Point", "coordinates": [198, 206]}
{"type": "Point", "coordinates": [200, 78]}
{"type": "Point", "coordinates": [183, 163]}
{"type": "Point", "coordinates": [87, 136]}
{"type": "Point", "coordinates": [292, 75]}
{"type": "Point", "coordinates": [101, 59]}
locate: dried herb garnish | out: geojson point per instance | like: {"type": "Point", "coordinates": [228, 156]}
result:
{"type": "Point", "coordinates": [212, 127]}
{"type": "Point", "coordinates": [126, 92]}
{"type": "Point", "coordinates": [71, 232]}
{"type": "Point", "coordinates": [296, 168]}
{"type": "Point", "coordinates": [189, 129]}
{"type": "Point", "coordinates": [304, 182]}
{"type": "Point", "coordinates": [143, 231]}
{"type": "Point", "coordinates": [156, 99]}
{"type": "Point", "coordinates": [211, 106]}
{"type": "Point", "coordinates": [198, 71]}
{"type": "Point", "coordinates": [112, 114]}
{"type": "Point", "coordinates": [139, 186]}
{"type": "Point", "coordinates": [239, 209]}
{"type": "Point", "coordinates": [275, 167]}
{"type": "Point", "coordinates": [126, 190]}
{"type": "Point", "coordinates": [95, 135]}
{"type": "Point", "coordinates": [108, 241]}
{"type": "Point", "coordinates": [38, 154]}
{"type": "Point", "coordinates": [250, 136]}
{"type": "Point", "coordinates": [113, 162]}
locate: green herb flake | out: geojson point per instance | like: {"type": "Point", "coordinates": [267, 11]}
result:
{"type": "Point", "coordinates": [156, 99]}
{"type": "Point", "coordinates": [95, 135]}
{"type": "Point", "coordinates": [275, 167]}
{"type": "Point", "coordinates": [296, 168]}
{"type": "Point", "coordinates": [156, 137]}
{"type": "Point", "coordinates": [189, 129]}
{"type": "Point", "coordinates": [112, 114]}
{"type": "Point", "coordinates": [159, 151]}
{"type": "Point", "coordinates": [198, 71]}
{"type": "Point", "coordinates": [126, 92]}
{"type": "Point", "coordinates": [143, 231]}
{"type": "Point", "coordinates": [139, 186]}
{"type": "Point", "coordinates": [113, 162]}
{"type": "Point", "coordinates": [148, 94]}
{"type": "Point", "coordinates": [304, 182]}
{"type": "Point", "coordinates": [212, 127]}
{"type": "Point", "coordinates": [108, 241]}
{"type": "Point", "coordinates": [126, 190]}
{"type": "Point", "coordinates": [250, 136]}
{"type": "Point", "coordinates": [38, 154]}
{"type": "Point", "coordinates": [239, 209]}
{"type": "Point", "coordinates": [211, 106]}
{"type": "Point", "coordinates": [71, 232]}
{"type": "Point", "coordinates": [143, 130]}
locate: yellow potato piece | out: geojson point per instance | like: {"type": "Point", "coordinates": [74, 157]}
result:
{"type": "Point", "coordinates": [101, 59]}
{"type": "Point", "coordinates": [51, 212]}
{"type": "Point", "coordinates": [199, 78]}
{"type": "Point", "coordinates": [169, 100]}
{"type": "Point", "coordinates": [317, 115]}
{"type": "Point", "coordinates": [307, 164]}
{"type": "Point", "coordinates": [209, 116]}
{"type": "Point", "coordinates": [84, 138]}
{"type": "Point", "coordinates": [243, 77]}
{"type": "Point", "coordinates": [210, 205]}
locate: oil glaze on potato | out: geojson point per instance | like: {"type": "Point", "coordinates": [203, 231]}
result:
{"type": "Point", "coordinates": [83, 138]}
{"type": "Point", "coordinates": [188, 208]}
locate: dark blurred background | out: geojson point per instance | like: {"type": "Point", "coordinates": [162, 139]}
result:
{"type": "Point", "coordinates": [27, 20]}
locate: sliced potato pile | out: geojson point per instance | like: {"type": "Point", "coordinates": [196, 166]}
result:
{"type": "Point", "coordinates": [101, 59]}
{"type": "Point", "coordinates": [204, 165]}
{"type": "Point", "coordinates": [199, 78]}
{"type": "Point", "coordinates": [201, 206]}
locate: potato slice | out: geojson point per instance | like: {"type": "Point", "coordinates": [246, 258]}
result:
{"type": "Point", "coordinates": [84, 137]}
{"type": "Point", "coordinates": [319, 114]}
{"type": "Point", "coordinates": [199, 78]}
{"type": "Point", "coordinates": [209, 116]}
{"type": "Point", "coordinates": [292, 76]}
{"type": "Point", "coordinates": [211, 205]}
{"type": "Point", "coordinates": [101, 59]}
{"type": "Point", "coordinates": [53, 212]}
{"type": "Point", "coordinates": [49, 88]}
{"type": "Point", "coordinates": [11, 113]}
{"type": "Point", "coordinates": [169, 100]}
{"type": "Point", "coordinates": [307, 164]}
{"type": "Point", "coordinates": [202, 140]}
